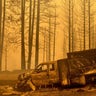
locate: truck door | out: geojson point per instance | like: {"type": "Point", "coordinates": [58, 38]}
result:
{"type": "Point", "coordinates": [53, 74]}
{"type": "Point", "coordinates": [41, 76]}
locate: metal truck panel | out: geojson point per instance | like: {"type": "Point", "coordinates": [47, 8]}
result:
{"type": "Point", "coordinates": [63, 72]}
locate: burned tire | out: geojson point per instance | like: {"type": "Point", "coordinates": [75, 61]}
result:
{"type": "Point", "coordinates": [25, 85]}
{"type": "Point", "coordinates": [22, 86]}
{"type": "Point", "coordinates": [31, 85]}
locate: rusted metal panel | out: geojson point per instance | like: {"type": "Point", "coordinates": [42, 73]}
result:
{"type": "Point", "coordinates": [40, 78]}
{"type": "Point", "coordinates": [48, 76]}
{"type": "Point", "coordinates": [53, 73]}
{"type": "Point", "coordinates": [63, 72]}
{"type": "Point", "coordinates": [80, 65]}
{"type": "Point", "coordinates": [78, 80]}
{"type": "Point", "coordinates": [83, 54]}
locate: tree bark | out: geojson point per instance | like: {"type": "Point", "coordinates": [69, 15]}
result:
{"type": "Point", "coordinates": [54, 35]}
{"type": "Point", "coordinates": [89, 25]}
{"type": "Point", "coordinates": [30, 29]}
{"type": "Point", "coordinates": [69, 29]}
{"type": "Point", "coordinates": [37, 34]}
{"type": "Point", "coordinates": [0, 33]}
{"type": "Point", "coordinates": [2, 27]}
{"type": "Point", "coordinates": [49, 38]}
{"type": "Point", "coordinates": [23, 66]}
{"type": "Point", "coordinates": [31, 35]}
{"type": "Point", "coordinates": [72, 27]}
{"type": "Point", "coordinates": [84, 24]}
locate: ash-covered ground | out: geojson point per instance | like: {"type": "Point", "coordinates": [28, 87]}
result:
{"type": "Point", "coordinates": [8, 81]}
{"type": "Point", "coordinates": [6, 90]}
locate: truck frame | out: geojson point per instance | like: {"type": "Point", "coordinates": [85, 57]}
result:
{"type": "Point", "coordinates": [65, 72]}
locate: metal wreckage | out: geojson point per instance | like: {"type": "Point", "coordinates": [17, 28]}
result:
{"type": "Point", "coordinates": [78, 69]}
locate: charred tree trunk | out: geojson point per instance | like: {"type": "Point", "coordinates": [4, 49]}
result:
{"type": "Point", "coordinates": [31, 37]}
{"type": "Point", "coordinates": [89, 25]}
{"type": "Point", "coordinates": [49, 41]}
{"type": "Point", "coordinates": [54, 35]}
{"type": "Point", "coordinates": [69, 28]}
{"type": "Point", "coordinates": [23, 66]}
{"type": "Point", "coordinates": [6, 57]}
{"type": "Point", "coordinates": [2, 27]}
{"type": "Point", "coordinates": [44, 45]}
{"type": "Point", "coordinates": [0, 34]}
{"type": "Point", "coordinates": [37, 34]}
{"type": "Point", "coordinates": [72, 27]}
{"type": "Point", "coordinates": [30, 30]}
{"type": "Point", "coordinates": [84, 25]}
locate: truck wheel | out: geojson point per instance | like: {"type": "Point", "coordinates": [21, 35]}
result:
{"type": "Point", "coordinates": [31, 85]}
{"type": "Point", "coordinates": [21, 86]}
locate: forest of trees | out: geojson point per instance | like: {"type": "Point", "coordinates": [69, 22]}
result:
{"type": "Point", "coordinates": [80, 27]}
{"type": "Point", "coordinates": [33, 25]}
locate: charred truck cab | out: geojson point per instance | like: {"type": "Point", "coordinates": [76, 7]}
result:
{"type": "Point", "coordinates": [45, 74]}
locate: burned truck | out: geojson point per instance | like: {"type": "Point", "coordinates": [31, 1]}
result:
{"type": "Point", "coordinates": [63, 72]}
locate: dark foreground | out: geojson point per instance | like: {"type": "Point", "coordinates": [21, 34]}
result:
{"type": "Point", "coordinates": [7, 89]}
{"type": "Point", "coordinates": [86, 91]}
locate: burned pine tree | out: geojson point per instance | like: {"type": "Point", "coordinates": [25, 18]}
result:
{"type": "Point", "coordinates": [31, 30]}
{"type": "Point", "coordinates": [69, 26]}
{"type": "Point", "coordinates": [84, 23]}
{"type": "Point", "coordinates": [80, 25]}
{"type": "Point", "coordinates": [54, 34]}
{"type": "Point", "coordinates": [29, 40]}
{"type": "Point", "coordinates": [43, 17]}
{"type": "Point", "coordinates": [37, 34]}
{"type": "Point", "coordinates": [3, 26]}
{"type": "Point", "coordinates": [2, 29]}
{"type": "Point", "coordinates": [0, 34]}
{"type": "Point", "coordinates": [89, 24]}
{"type": "Point", "coordinates": [23, 65]}
{"type": "Point", "coordinates": [69, 10]}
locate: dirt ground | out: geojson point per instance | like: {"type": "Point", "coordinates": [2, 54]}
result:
{"type": "Point", "coordinates": [7, 90]}
{"type": "Point", "coordinates": [61, 93]}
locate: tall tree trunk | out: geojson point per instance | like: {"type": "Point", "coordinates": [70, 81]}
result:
{"type": "Point", "coordinates": [84, 26]}
{"type": "Point", "coordinates": [29, 41]}
{"type": "Point", "coordinates": [54, 35]}
{"type": "Point", "coordinates": [0, 33]}
{"type": "Point", "coordinates": [72, 27]}
{"type": "Point", "coordinates": [69, 28]}
{"type": "Point", "coordinates": [49, 38]}
{"type": "Point", "coordinates": [23, 66]}
{"type": "Point", "coordinates": [89, 25]}
{"type": "Point", "coordinates": [31, 34]}
{"type": "Point", "coordinates": [47, 49]}
{"type": "Point", "coordinates": [6, 56]}
{"type": "Point", "coordinates": [44, 30]}
{"type": "Point", "coordinates": [2, 26]}
{"type": "Point", "coordinates": [37, 34]}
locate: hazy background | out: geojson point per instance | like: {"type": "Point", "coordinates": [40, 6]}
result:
{"type": "Point", "coordinates": [13, 54]}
